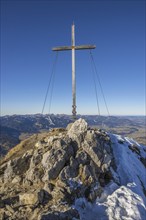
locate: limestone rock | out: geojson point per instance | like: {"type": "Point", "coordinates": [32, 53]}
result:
{"type": "Point", "coordinates": [45, 181]}
{"type": "Point", "coordinates": [8, 174]}
{"type": "Point", "coordinates": [28, 198]}
{"type": "Point", "coordinates": [55, 160]}
{"type": "Point", "coordinates": [36, 197]}
{"type": "Point", "coordinates": [16, 179]}
{"type": "Point", "coordinates": [78, 128]}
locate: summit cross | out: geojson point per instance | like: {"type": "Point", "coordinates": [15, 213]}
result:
{"type": "Point", "coordinates": [73, 48]}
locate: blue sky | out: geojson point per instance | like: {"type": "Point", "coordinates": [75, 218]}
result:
{"type": "Point", "coordinates": [29, 29]}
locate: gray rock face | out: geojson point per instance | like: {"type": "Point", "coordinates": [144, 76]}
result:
{"type": "Point", "coordinates": [64, 165]}
{"type": "Point", "coordinates": [55, 159]}
{"type": "Point", "coordinates": [77, 129]}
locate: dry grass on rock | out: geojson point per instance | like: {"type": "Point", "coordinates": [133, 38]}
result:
{"type": "Point", "coordinates": [29, 144]}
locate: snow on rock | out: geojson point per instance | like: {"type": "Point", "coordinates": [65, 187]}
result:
{"type": "Point", "coordinates": [124, 198]}
{"type": "Point", "coordinates": [125, 204]}
{"type": "Point", "coordinates": [122, 204]}
{"type": "Point", "coordinates": [130, 169]}
{"type": "Point", "coordinates": [50, 120]}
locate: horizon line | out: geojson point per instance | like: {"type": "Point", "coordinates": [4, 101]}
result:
{"type": "Point", "coordinates": [3, 115]}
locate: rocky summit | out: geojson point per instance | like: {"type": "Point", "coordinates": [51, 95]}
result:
{"type": "Point", "coordinates": [74, 173]}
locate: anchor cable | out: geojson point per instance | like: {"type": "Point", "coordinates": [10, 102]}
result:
{"type": "Point", "coordinates": [51, 93]}
{"type": "Point", "coordinates": [95, 87]}
{"type": "Point", "coordinates": [49, 84]}
{"type": "Point", "coordinates": [98, 78]}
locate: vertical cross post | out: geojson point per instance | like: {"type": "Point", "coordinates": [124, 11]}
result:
{"type": "Point", "coordinates": [73, 74]}
{"type": "Point", "coordinates": [73, 48]}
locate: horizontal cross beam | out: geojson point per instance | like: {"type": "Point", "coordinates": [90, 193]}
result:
{"type": "Point", "coordinates": [74, 47]}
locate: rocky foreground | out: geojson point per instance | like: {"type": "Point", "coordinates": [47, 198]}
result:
{"type": "Point", "coordinates": [74, 173]}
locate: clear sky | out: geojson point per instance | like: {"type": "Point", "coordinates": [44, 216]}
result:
{"type": "Point", "coordinates": [29, 29]}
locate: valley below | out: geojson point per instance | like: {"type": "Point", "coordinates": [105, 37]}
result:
{"type": "Point", "coordinates": [16, 128]}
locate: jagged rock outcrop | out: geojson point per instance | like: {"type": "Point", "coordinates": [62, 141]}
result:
{"type": "Point", "coordinates": [62, 166]}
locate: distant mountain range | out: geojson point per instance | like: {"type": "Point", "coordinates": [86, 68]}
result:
{"type": "Point", "coordinates": [15, 128]}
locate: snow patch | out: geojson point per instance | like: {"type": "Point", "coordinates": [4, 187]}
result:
{"type": "Point", "coordinates": [129, 167]}
{"type": "Point", "coordinates": [125, 204]}
{"type": "Point", "coordinates": [50, 120]}
{"type": "Point", "coordinates": [123, 198]}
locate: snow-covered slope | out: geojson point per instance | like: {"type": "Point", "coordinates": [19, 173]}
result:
{"type": "Point", "coordinates": [124, 198]}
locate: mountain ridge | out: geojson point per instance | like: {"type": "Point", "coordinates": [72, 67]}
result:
{"type": "Point", "coordinates": [78, 172]}
{"type": "Point", "coordinates": [18, 127]}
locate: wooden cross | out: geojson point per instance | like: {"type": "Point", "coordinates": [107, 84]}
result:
{"type": "Point", "coordinates": [73, 48]}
